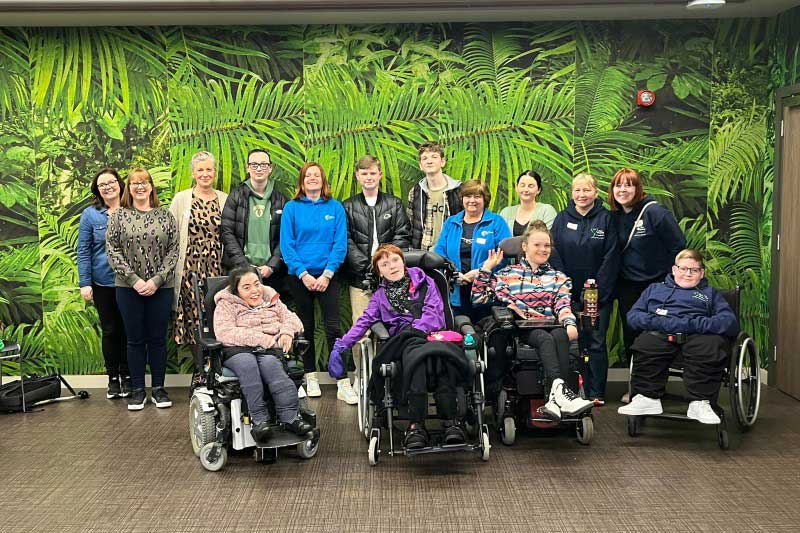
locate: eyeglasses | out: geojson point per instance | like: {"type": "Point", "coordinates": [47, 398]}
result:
{"type": "Point", "coordinates": [690, 270]}
{"type": "Point", "coordinates": [256, 166]}
{"type": "Point", "coordinates": [139, 184]}
{"type": "Point", "coordinates": [107, 185]}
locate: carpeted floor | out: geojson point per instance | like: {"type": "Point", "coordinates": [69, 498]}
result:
{"type": "Point", "coordinates": [94, 466]}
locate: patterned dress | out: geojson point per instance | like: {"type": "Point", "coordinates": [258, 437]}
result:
{"type": "Point", "coordinates": [203, 258]}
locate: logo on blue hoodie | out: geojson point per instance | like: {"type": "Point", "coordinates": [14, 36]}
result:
{"type": "Point", "coordinates": [329, 217]}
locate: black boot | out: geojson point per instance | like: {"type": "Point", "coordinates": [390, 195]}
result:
{"type": "Point", "coordinates": [261, 432]}
{"type": "Point", "coordinates": [298, 426]}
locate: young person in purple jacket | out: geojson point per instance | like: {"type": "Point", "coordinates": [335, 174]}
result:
{"type": "Point", "coordinates": [407, 299]}
{"type": "Point", "coordinates": [684, 303]}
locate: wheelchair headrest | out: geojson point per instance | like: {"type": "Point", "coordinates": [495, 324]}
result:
{"type": "Point", "coordinates": [512, 246]}
{"type": "Point", "coordinates": [213, 286]}
{"type": "Point", "coordinates": [427, 260]}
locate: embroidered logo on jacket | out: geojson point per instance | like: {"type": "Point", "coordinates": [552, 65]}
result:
{"type": "Point", "coordinates": [700, 296]}
{"type": "Point", "coordinates": [597, 233]}
{"type": "Point", "coordinates": [329, 217]}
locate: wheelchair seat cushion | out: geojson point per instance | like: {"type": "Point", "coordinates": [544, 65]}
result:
{"type": "Point", "coordinates": [228, 373]}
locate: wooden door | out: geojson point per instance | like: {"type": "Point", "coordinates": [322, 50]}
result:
{"type": "Point", "coordinates": [787, 353]}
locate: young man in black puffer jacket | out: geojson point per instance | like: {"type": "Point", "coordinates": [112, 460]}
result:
{"type": "Point", "coordinates": [373, 218]}
{"type": "Point", "coordinates": [251, 223]}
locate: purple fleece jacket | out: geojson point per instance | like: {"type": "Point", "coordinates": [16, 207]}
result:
{"type": "Point", "coordinates": [380, 310]}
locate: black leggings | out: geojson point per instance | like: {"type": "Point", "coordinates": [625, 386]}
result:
{"type": "Point", "coordinates": [329, 304]}
{"type": "Point", "coordinates": [444, 387]}
{"type": "Point", "coordinates": [553, 348]}
{"type": "Point", "coordinates": [627, 293]}
{"type": "Point", "coordinates": [115, 349]}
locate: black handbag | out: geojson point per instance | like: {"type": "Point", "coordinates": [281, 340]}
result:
{"type": "Point", "coordinates": [37, 389]}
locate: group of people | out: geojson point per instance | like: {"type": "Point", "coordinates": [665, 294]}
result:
{"type": "Point", "coordinates": [137, 261]}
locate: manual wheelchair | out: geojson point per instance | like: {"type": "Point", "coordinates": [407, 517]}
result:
{"type": "Point", "coordinates": [741, 376]}
{"type": "Point", "coordinates": [378, 417]}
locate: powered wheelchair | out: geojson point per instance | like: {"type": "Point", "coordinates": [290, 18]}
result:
{"type": "Point", "coordinates": [518, 391]}
{"type": "Point", "coordinates": [218, 417]}
{"type": "Point", "coordinates": [741, 376]}
{"type": "Point", "coordinates": [377, 416]}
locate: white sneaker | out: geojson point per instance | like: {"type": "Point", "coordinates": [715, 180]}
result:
{"type": "Point", "coordinates": [642, 405]}
{"type": "Point", "coordinates": [312, 385]}
{"type": "Point", "coordinates": [701, 411]}
{"type": "Point", "coordinates": [551, 410]}
{"type": "Point", "coordinates": [301, 392]}
{"type": "Point", "coordinates": [568, 402]}
{"type": "Point", "coordinates": [345, 392]}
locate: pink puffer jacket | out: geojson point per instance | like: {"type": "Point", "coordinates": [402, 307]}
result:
{"type": "Point", "coordinates": [238, 324]}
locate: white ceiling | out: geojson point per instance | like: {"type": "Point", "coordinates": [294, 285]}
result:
{"type": "Point", "coordinates": [263, 12]}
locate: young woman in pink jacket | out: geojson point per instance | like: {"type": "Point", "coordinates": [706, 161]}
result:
{"type": "Point", "coordinates": [256, 330]}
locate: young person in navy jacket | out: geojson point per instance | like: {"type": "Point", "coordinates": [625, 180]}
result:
{"type": "Point", "coordinates": [587, 244]}
{"type": "Point", "coordinates": [649, 238]}
{"type": "Point", "coordinates": [683, 304]}
{"type": "Point", "coordinates": [314, 245]}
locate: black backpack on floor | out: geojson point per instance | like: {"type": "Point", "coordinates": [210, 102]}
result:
{"type": "Point", "coordinates": [37, 389]}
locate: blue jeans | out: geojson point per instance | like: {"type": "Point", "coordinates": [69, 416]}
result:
{"type": "Point", "coordinates": [261, 375]}
{"type": "Point", "coordinates": [146, 319]}
{"type": "Point", "coordinates": [595, 374]}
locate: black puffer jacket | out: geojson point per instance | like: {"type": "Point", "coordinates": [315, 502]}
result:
{"type": "Point", "coordinates": [233, 228]}
{"type": "Point", "coordinates": [392, 225]}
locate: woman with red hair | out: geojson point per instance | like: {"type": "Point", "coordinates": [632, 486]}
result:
{"type": "Point", "coordinates": [649, 238]}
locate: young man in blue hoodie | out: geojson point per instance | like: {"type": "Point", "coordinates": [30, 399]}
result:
{"type": "Point", "coordinates": [683, 315]}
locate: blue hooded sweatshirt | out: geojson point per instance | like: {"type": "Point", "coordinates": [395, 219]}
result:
{"type": "Point", "coordinates": [669, 308]}
{"type": "Point", "coordinates": [588, 248]}
{"type": "Point", "coordinates": [657, 240]}
{"type": "Point", "coordinates": [313, 236]}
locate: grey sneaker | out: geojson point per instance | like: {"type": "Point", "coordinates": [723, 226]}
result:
{"type": "Point", "coordinates": [136, 400]}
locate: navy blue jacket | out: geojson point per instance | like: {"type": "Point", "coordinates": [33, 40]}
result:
{"type": "Point", "coordinates": [588, 248]}
{"type": "Point", "coordinates": [655, 243]}
{"type": "Point", "coordinates": [93, 267]}
{"type": "Point", "coordinates": [669, 308]}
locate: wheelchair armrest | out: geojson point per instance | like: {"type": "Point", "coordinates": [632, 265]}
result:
{"type": "Point", "coordinates": [380, 331]}
{"type": "Point", "coordinates": [463, 324]}
{"type": "Point", "coordinates": [210, 343]}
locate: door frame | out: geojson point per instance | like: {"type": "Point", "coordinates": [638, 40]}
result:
{"type": "Point", "coordinates": [782, 94]}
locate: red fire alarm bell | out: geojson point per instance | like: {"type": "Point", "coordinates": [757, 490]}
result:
{"type": "Point", "coordinates": [645, 98]}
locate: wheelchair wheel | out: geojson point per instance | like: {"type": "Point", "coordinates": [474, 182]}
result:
{"type": "Point", "coordinates": [722, 437]}
{"type": "Point", "coordinates": [633, 426]}
{"type": "Point", "coordinates": [373, 450]}
{"type": "Point", "coordinates": [213, 456]}
{"type": "Point", "coordinates": [202, 427]}
{"type": "Point", "coordinates": [485, 446]}
{"type": "Point", "coordinates": [745, 384]}
{"type": "Point", "coordinates": [508, 431]}
{"type": "Point", "coordinates": [584, 430]}
{"type": "Point", "coordinates": [308, 448]}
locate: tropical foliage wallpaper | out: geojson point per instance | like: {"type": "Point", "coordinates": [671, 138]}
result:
{"type": "Point", "coordinates": [503, 98]}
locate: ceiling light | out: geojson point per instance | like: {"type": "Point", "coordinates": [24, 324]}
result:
{"type": "Point", "coordinates": [705, 4]}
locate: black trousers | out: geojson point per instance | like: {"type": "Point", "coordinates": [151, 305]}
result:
{"type": "Point", "coordinates": [704, 359]}
{"type": "Point", "coordinates": [553, 348]}
{"type": "Point", "coordinates": [114, 341]}
{"type": "Point", "coordinates": [443, 386]}
{"type": "Point", "coordinates": [329, 305]}
{"type": "Point", "coordinates": [627, 293]}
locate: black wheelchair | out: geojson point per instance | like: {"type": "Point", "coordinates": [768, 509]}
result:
{"type": "Point", "coordinates": [218, 417]}
{"type": "Point", "coordinates": [742, 378]}
{"type": "Point", "coordinates": [376, 417]}
{"type": "Point", "coordinates": [522, 390]}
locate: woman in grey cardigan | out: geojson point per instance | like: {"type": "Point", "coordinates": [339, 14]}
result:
{"type": "Point", "coordinates": [529, 186]}
{"type": "Point", "coordinates": [142, 249]}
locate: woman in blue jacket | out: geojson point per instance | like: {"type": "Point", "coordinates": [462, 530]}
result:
{"type": "Point", "coordinates": [97, 279]}
{"type": "Point", "coordinates": [683, 303]}
{"type": "Point", "coordinates": [314, 245]}
{"type": "Point", "coordinates": [649, 239]}
{"type": "Point", "coordinates": [586, 241]}
{"type": "Point", "coordinates": [466, 239]}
